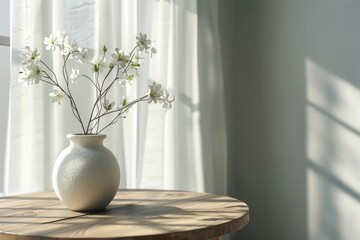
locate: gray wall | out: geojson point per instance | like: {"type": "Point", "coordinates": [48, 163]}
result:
{"type": "Point", "coordinates": [291, 71]}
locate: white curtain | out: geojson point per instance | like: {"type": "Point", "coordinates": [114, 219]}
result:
{"type": "Point", "coordinates": [183, 148]}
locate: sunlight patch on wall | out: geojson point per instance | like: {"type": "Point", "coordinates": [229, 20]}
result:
{"type": "Point", "coordinates": [333, 140]}
{"type": "Point", "coordinates": [332, 212]}
{"type": "Point", "coordinates": [335, 95]}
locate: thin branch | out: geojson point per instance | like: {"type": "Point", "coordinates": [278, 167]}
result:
{"type": "Point", "coordinates": [83, 75]}
{"type": "Point", "coordinates": [120, 112]}
{"type": "Point", "coordinates": [117, 73]}
{"type": "Point", "coordinates": [69, 95]}
{"type": "Point", "coordinates": [51, 83]}
{"type": "Point", "coordinates": [56, 80]}
{"type": "Point", "coordinates": [127, 106]}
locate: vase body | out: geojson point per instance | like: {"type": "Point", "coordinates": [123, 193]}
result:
{"type": "Point", "coordinates": [86, 175]}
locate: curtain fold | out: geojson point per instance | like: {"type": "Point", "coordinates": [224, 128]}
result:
{"type": "Point", "coordinates": [183, 148]}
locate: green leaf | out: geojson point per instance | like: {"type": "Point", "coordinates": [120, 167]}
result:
{"type": "Point", "coordinates": [96, 68]}
{"type": "Point", "coordinates": [124, 102]}
{"type": "Point", "coordinates": [135, 65]}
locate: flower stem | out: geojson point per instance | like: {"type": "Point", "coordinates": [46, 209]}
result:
{"type": "Point", "coordinates": [73, 105]}
{"type": "Point", "coordinates": [120, 112]}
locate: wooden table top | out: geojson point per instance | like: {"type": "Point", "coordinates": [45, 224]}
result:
{"type": "Point", "coordinates": [132, 215]}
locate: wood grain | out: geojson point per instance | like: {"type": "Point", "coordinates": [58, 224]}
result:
{"type": "Point", "coordinates": [132, 215]}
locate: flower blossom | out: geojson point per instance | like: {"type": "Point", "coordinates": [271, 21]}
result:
{"type": "Point", "coordinates": [24, 75]}
{"type": "Point", "coordinates": [51, 42]}
{"type": "Point", "coordinates": [127, 67]}
{"type": "Point", "coordinates": [69, 47]}
{"type": "Point", "coordinates": [62, 37]}
{"type": "Point", "coordinates": [155, 92]}
{"type": "Point", "coordinates": [108, 105]}
{"type": "Point", "coordinates": [126, 78]}
{"type": "Point", "coordinates": [83, 56]}
{"type": "Point", "coordinates": [75, 73]}
{"type": "Point", "coordinates": [145, 44]}
{"type": "Point", "coordinates": [137, 61]}
{"type": "Point", "coordinates": [142, 42]}
{"type": "Point", "coordinates": [35, 72]}
{"type": "Point", "coordinates": [122, 82]}
{"type": "Point", "coordinates": [29, 56]}
{"type": "Point", "coordinates": [98, 63]}
{"type": "Point", "coordinates": [30, 74]}
{"type": "Point", "coordinates": [120, 58]}
{"type": "Point", "coordinates": [56, 96]}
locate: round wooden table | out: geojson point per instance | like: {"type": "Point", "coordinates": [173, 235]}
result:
{"type": "Point", "coordinates": [132, 215]}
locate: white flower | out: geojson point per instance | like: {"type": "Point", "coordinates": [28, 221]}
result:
{"type": "Point", "coordinates": [35, 72]}
{"type": "Point", "coordinates": [75, 73]}
{"type": "Point", "coordinates": [120, 58]}
{"type": "Point", "coordinates": [29, 56]}
{"type": "Point", "coordinates": [30, 74]}
{"type": "Point", "coordinates": [142, 42]}
{"type": "Point", "coordinates": [126, 78]}
{"type": "Point", "coordinates": [61, 36]}
{"type": "Point", "coordinates": [155, 92]}
{"type": "Point", "coordinates": [83, 56]}
{"type": "Point", "coordinates": [137, 61]}
{"type": "Point", "coordinates": [69, 47]}
{"type": "Point", "coordinates": [56, 96]}
{"type": "Point", "coordinates": [127, 67]}
{"type": "Point", "coordinates": [98, 63]}
{"type": "Point", "coordinates": [24, 75]}
{"type": "Point", "coordinates": [107, 105]}
{"type": "Point", "coordinates": [51, 42]}
{"type": "Point", "coordinates": [122, 82]}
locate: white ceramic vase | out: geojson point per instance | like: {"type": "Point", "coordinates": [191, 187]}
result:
{"type": "Point", "coordinates": [86, 175]}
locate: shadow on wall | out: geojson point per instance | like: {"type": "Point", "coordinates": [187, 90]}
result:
{"type": "Point", "coordinates": [333, 118]}
{"type": "Point", "coordinates": [292, 96]}
{"type": "Point", "coordinates": [333, 164]}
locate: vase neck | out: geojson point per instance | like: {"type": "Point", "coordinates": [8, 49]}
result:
{"type": "Point", "coordinates": [86, 140]}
